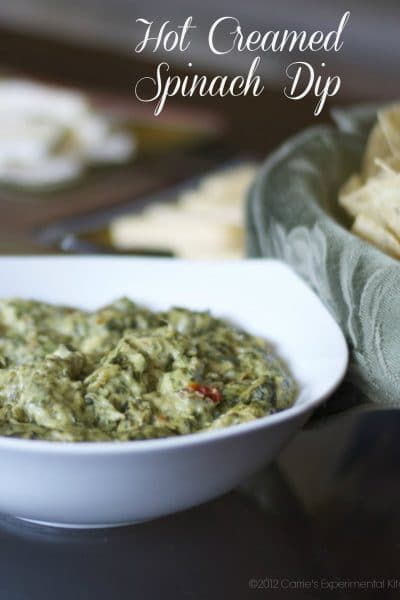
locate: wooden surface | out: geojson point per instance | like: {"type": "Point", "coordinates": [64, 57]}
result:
{"type": "Point", "coordinates": [25, 214]}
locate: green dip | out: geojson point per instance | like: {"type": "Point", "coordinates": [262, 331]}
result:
{"type": "Point", "coordinates": [127, 373]}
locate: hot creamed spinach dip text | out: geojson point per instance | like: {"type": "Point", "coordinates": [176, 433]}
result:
{"type": "Point", "coordinates": [127, 373]}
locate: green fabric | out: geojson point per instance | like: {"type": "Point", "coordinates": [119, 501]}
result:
{"type": "Point", "coordinates": [293, 215]}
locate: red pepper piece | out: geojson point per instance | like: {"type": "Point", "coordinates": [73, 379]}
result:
{"type": "Point", "coordinates": [208, 391]}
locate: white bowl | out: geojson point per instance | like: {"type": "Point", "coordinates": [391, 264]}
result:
{"type": "Point", "coordinates": [99, 484]}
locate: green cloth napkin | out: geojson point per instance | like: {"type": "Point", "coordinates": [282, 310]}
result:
{"type": "Point", "coordinates": [293, 214]}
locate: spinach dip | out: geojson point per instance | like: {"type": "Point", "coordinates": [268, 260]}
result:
{"type": "Point", "coordinates": [127, 373]}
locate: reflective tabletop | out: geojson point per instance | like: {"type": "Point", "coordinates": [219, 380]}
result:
{"type": "Point", "coordinates": [323, 519]}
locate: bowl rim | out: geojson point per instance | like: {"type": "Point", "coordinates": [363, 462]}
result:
{"type": "Point", "coordinates": [184, 440]}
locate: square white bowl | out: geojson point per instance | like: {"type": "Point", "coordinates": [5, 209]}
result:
{"type": "Point", "coordinates": [94, 484]}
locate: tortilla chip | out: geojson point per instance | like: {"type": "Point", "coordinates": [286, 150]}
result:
{"type": "Point", "coordinates": [373, 198]}
{"type": "Point", "coordinates": [375, 233]}
{"type": "Point", "coordinates": [379, 199]}
{"type": "Point", "coordinates": [389, 121]}
{"type": "Point", "coordinates": [377, 147]}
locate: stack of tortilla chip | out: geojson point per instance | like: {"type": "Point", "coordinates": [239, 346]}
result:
{"type": "Point", "coordinates": [205, 222]}
{"type": "Point", "coordinates": [372, 197]}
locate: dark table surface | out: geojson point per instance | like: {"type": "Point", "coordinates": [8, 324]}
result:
{"type": "Point", "coordinates": [323, 521]}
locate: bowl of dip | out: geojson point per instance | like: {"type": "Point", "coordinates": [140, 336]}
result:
{"type": "Point", "coordinates": [62, 464]}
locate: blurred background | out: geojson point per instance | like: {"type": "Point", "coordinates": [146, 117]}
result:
{"type": "Point", "coordinates": [368, 58]}
{"type": "Point", "coordinates": [87, 46]}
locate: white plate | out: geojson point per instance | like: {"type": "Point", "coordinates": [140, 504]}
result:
{"type": "Point", "coordinates": [108, 483]}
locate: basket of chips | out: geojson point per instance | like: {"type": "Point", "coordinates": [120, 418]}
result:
{"type": "Point", "coordinates": [328, 203]}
